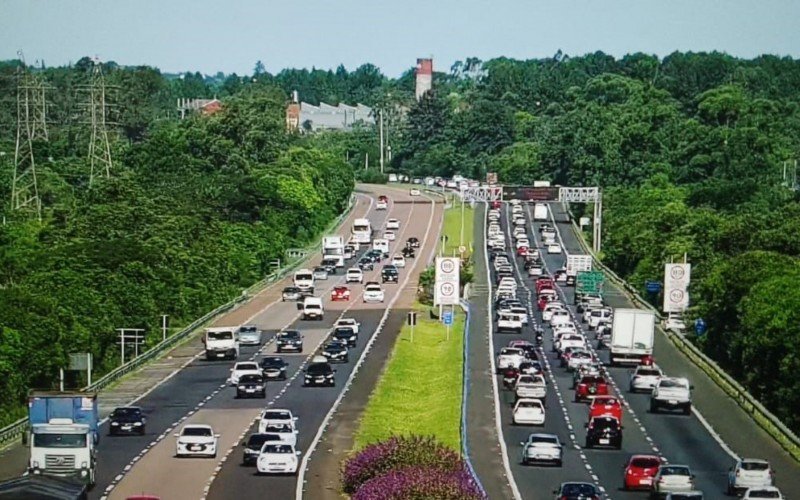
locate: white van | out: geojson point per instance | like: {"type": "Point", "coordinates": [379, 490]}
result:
{"type": "Point", "coordinates": [312, 308]}
{"type": "Point", "coordinates": [222, 342]}
{"type": "Point", "coordinates": [381, 244]}
{"type": "Point", "coordinates": [304, 280]}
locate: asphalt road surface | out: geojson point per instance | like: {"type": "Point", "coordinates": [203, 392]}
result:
{"type": "Point", "coordinates": [158, 472]}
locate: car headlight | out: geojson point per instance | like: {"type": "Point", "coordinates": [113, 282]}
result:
{"type": "Point", "coordinates": [35, 464]}
{"type": "Point", "coordinates": [84, 465]}
{"type": "Point", "coordinates": [137, 424]}
{"type": "Point", "coordinates": [114, 423]}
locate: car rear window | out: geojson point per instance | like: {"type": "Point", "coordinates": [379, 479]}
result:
{"type": "Point", "coordinates": [755, 466]}
{"type": "Point", "coordinates": [645, 462]}
{"type": "Point", "coordinates": [763, 494]}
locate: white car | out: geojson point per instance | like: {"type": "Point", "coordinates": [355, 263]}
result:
{"type": "Point", "coordinates": [196, 440]}
{"type": "Point", "coordinates": [508, 322]}
{"type": "Point", "coordinates": [414, 192]}
{"type": "Point", "coordinates": [275, 416]}
{"type": "Point", "coordinates": [277, 458]}
{"type": "Point", "coordinates": [389, 235]}
{"type": "Point", "coordinates": [579, 358]}
{"type": "Point", "coordinates": [286, 432]}
{"type": "Point", "coordinates": [399, 261]}
{"type": "Point", "coordinates": [530, 386]}
{"type": "Point", "coordinates": [644, 378]}
{"type": "Point", "coordinates": [553, 248]}
{"type": "Point", "coordinates": [535, 270]}
{"type": "Point", "coordinates": [243, 368]}
{"type": "Point", "coordinates": [351, 323]}
{"type": "Point", "coordinates": [541, 448]}
{"type": "Point", "coordinates": [559, 317]}
{"type": "Point", "coordinates": [672, 479]}
{"type": "Point", "coordinates": [550, 308]}
{"type": "Point", "coordinates": [509, 357]}
{"type": "Point", "coordinates": [381, 205]}
{"type": "Point", "coordinates": [528, 411]}
{"type": "Point", "coordinates": [373, 292]}
{"type": "Point", "coordinates": [523, 242]}
{"type": "Point", "coordinates": [354, 275]}
{"type": "Point", "coordinates": [749, 473]}
{"type": "Point", "coordinates": [763, 492]}
{"type": "Point", "coordinates": [392, 224]}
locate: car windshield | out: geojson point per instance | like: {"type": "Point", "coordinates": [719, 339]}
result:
{"type": "Point", "coordinates": [575, 489]}
{"type": "Point", "coordinates": [257, 440]}
{"type": "Point", "coordinates": [271, 362]}
{"type": "Point", "coordinates": [59, 440]}
{"type": "Point", "coordinates": [196, 431]}
{"type": "Point", "coordinates": [755, 466]}
{"type": "Point", "coordinates": [320, 270]}
{"type": "Point", "coordinates": [277, 448]}
{"type": "Point", "coordinates": [246, 366]}
{"type": "Point", "coordinates": [763, 494]}
{"type": "Point", "coordinates": [507, 351]}
{"type": "Point", "coordinates": [250, 379]}
{"type": "Point", "coordinates": [672, 383]}
{"type": "Point", "coordinates": [224, 335]}
{"type": "Point", "coordinates": [319, 369]}
{"type": "Point", "coordinates": [645, 462]}
{"type": "Point", "coordinates": [334, 347]}
{"type": "Point", "coordinates": [303, 277]}
{"type": "Point", "coordinates": [543, 440]}
{"type": "Point", "coordinates": [530, 404]}
{"type": "Point", "coordinates": [604, 402]}
{"type": "Point", "coordinates": [604, 423]}
{"type": "Point", "coordinates": [344, 331]}
{"type": "Point", "coordinates": [592, 380]}
{"type": "Point", "coordinates": [279, 428]}
{"type": "Point", "coordinates": [675, 471]}
{"type": "Point", "coordinates": [248, 329]}
{"type": "Point", "coordinates": [291, 289]}
{"type": "Point", "coordinates": [290, 335]}
{"type": "Point", "coordinates": [525, 379]}
{"type": "Point", "coordinates": [648, 372]}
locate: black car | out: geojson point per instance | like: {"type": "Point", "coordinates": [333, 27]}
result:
{"type": "Point", "coordinates": [545, 227]}
{"type": "Point", "coordinates": [604, 431]}
{"type": "Point", "coordinates": [291, 293]}
{"type": "Point", "coordinates": [289, 340]}
{"type": "Point", "coordinates": [273, 368]}
{"type": "Point", "coordinates": [253, 445]}
{"type": "Point", "coordinates": [366, 264]}
{"type": "Point", "coordinates": [336, 352]}
{"type": "Point", "coordinates": [251, 386]}
{"type": "Point", "coordinates": [345, 334]}
{"type": "Point", "coordinates": [577, 491]}
{"type": "Point", "coordinates": [570, 280]}
{"type": "Point", "coordinates": [389, 274]}
{"type": "Point", "coordinates": [329, 265]}
{"type": "Point", "coordinates": [375, 255]}
{"type": "Point", "coordinates": [413, 242]}
{"type": "Point", "coordinates": [408, 253]}
{"type": "Point", "coordinates": [126, 420]}
{"type": "Point", "coordinates": [319, 374]}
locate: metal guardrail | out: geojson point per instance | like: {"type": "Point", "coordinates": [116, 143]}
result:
{"type": "Point", "coordinates": [16, 429]}
{"type": "Point", "coordinates": [760, 414]}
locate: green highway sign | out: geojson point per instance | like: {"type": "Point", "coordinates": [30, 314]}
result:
{"type": "Point", "coordinates": [589, 281]}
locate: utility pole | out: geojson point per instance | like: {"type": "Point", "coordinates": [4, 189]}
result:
{"type": "Point", "coordinates": [381, 134]}
{"type": "Point", "coordinates": [31, 126]}
{"type": "Point", "coordinates": [99, 147]}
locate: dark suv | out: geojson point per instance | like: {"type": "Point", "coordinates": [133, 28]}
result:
{"type": "Point", "coordinates": [604, 431]}
{"type": "Point", "coordinates": [319, 374]}
{"type": "Point", "coordinates": [336, 352]}
{"type": "Point", "coordinates": [273, 368]}
{"type": "Point", "coordinates": [346, 334]}
{"type": "Point", "coordinates": [253, 445]}
{"type": "Point", "coordinates": [126, 420]}
{"type": "Point", "coordinates": [389, 274]}
{"type": "Point", "coordinates": [289, 340]}
{"type": "Point", "coordinates": [250, 386]}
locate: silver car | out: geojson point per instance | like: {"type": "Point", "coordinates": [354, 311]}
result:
{"type": "Point", "coordinates": [542, 448]}
{"type": "Point", "coordinates": [249, 335]}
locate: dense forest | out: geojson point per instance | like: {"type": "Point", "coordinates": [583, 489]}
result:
{"type": "Point", "coordinates": [695, 154]}
{"type": "Point", "coordinates": [194, 212]}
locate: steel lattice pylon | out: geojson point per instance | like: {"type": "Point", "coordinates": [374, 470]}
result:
{"type": "Point", "coordinates": [99, 148]}
{"type": "Point", "coordinates": [31, 126]}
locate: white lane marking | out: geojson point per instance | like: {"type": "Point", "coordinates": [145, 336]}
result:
{"type": "Point", "coordinates": [307, 456]}
{"type": "Point", "coordinates": [495, 390]}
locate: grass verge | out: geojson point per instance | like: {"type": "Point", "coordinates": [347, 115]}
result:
{"type": "Point", "coordinates": [420, 389]}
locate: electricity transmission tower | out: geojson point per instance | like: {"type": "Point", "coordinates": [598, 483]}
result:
{"type": "Point", "coordinates": [99, 148]}
{"type": "Point", "coordinates": [31, 126]}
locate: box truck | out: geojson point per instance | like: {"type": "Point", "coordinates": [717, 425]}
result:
{"type": "Point", "coordinates": [632, 336]}
{"type": "Point", "coordinates": [540, 211]}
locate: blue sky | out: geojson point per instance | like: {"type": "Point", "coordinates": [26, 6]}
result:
{"type": "Point", "coordinates": [230, 35]}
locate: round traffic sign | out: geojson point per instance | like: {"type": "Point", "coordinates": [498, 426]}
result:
{"type": "Point", "coordinates": [677, 272]}
{"type": "Point", "coordinates": [447, 266]}
{"type": "Point", "coordinates": [676, 296]}
{"type": "Point", "coordinates": [447, 289]}
{"type": "Point", "coordinates": [462, 249]}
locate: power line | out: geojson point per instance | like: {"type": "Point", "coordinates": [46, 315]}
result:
{"type": "Point", "coordinates": [100, 159]}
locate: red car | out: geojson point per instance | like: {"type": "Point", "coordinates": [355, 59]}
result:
{"type": "Point", "coordinates": [340, 293]}
{"type": "Point", "coordinates": [543, 283]}
{"type": "Point", "coordinates": [591, 386]}
{"type": "Point", "coordinates": [639, 472]}
{"type": "Point", "coordinates": [522, 251]}
{"type": "Point", "coordinates": [545, 298]}
{"type": "Point", "coordinates": [605, 405]}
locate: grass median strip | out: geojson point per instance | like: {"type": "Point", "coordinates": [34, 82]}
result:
{"type": "Point", "coordinates": [420, 389]}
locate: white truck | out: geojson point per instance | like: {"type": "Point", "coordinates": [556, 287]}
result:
{"type": "Point", "coordinates": [222, 342]}
{"type": "Point", "coordinates": [577, 262]}
{"type": "Point", "coordinates": [540, 211]}
{"type": "Point", "coordinates": [632, 336]}
{"type": "Point", "coordinates": [333, 248]}
{"type": "Point", "coordinates": [313, 308]}
{"type": "Point", "coordinates": [304, 280]}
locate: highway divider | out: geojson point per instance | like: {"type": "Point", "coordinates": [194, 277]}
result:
{"type": "Point", "coordinates": [18, 428]}
{"type": "Point", "coordinates": [760, 414]}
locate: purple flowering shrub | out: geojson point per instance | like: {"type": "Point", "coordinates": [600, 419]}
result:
{"type": "Point", "coordinates": [394, 454]}
{"type": "Point", "coordinates": [418, 483]}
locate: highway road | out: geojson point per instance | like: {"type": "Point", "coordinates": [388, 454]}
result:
{"type": "Point", "coordinates": [159, 473]}
{"type": "Point", "coordinates": [679, 439]}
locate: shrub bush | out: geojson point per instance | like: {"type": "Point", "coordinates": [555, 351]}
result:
{"type": "Point", "coordinates": [414, 483]}
{"type": "Point", "coordinates": [397, 453]}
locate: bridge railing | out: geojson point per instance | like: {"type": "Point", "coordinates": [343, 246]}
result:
{"type": "Point", "coordinates": [18, 428]}
{"type": "Point", "coordinates": [760, 414]}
